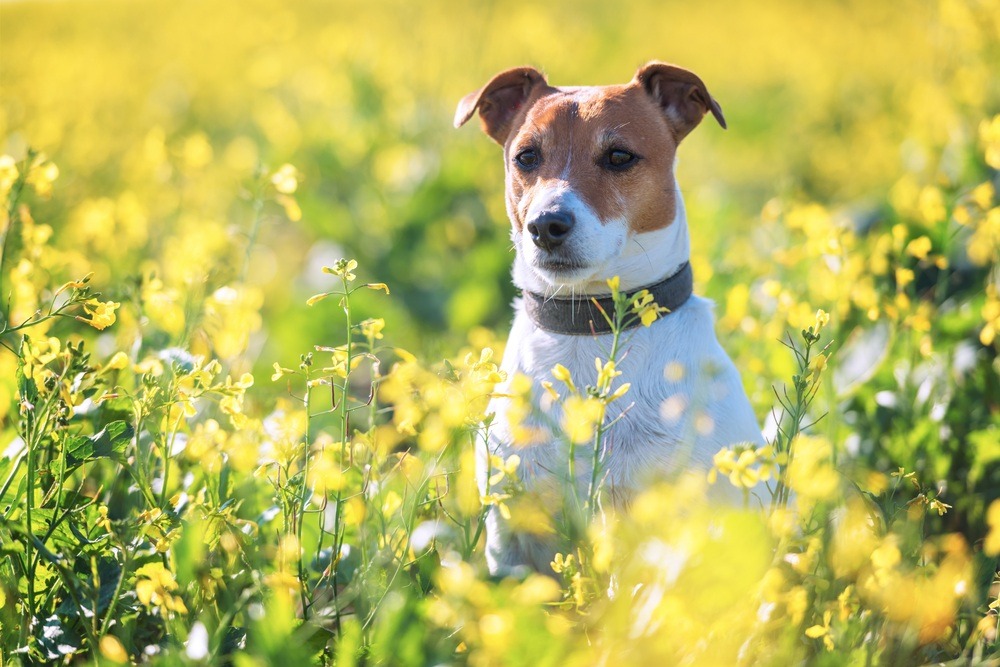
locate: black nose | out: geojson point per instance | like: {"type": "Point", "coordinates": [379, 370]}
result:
{"type": "Point", "coordinates": [549, 230]}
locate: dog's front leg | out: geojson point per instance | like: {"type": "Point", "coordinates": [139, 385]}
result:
{"type": "Point", "coordinates": [515, 553]}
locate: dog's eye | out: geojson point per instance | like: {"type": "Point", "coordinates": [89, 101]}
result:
{"type": "Point", "coordinates": [528, 159]}
{"type": "Point", "coordinates": [619, 159]}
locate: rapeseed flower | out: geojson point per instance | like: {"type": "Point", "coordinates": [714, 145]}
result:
{"type": "Point", "coordinates": [102, 314]}
{"type": "Point", "coordinates": [155, 586]}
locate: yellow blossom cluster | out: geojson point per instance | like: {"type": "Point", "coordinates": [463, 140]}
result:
{"type": "Point", "coordinates": [156, 587]}
{"type": "Point", "coordinates": [437, 407]}
{"type": "Point", "coordinates": [746, 466]}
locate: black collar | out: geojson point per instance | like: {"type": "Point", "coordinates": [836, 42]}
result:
{"type": "Point", "coordinates": [581, 317]}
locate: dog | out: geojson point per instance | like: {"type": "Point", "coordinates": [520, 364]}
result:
{"type": "Point", "coordinates": [591, 194]}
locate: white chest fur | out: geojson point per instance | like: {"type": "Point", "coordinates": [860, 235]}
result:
{"type": "Point", "coordinates": [685, 403]}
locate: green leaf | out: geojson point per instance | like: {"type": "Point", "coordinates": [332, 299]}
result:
{"type": "Point", "coordinates": [106, 443]}
{"type": "Point", "coordinates": [109, 571]}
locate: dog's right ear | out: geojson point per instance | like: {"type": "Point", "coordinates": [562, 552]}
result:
{"type": "Point", "coordinates": [499, 101]}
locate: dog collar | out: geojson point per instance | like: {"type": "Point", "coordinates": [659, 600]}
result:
{"type": "Point", "coordinates": [582, 317]}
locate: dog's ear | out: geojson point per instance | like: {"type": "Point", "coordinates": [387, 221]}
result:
{"type": "Point", "coordinates": [499, 101]}
{"type": "Point", "coordinates": [680, 93]}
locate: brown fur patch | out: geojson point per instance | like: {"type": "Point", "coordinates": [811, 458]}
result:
{"type": "Point", "coordinates": [573, 129]}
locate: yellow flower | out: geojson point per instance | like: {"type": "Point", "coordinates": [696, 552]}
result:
{"type": "Point", "coordinates": [8, 173]}
{"type": "Point", "coordinates": [149, 365]}
{"type": "Point", "coordinates": [280, 372]}
{"type": "Point", "coordinates": [391, 504]}
{"type": "Point", "coordinates": [102, 314]}
{"type": "Point", "coordinates": [742, 475]}
{"type": "Point", "coordinates": [846, 603]}
{"type": "Point", "coordinates": [42, 174]}
{"type": "Point", "coordinates": [989, 135]}
{"type": "Point", "coordinates": [982, 195]}
{"type": "Point", "coordinates": [343, 268]}
{"type": "Point", "coordinates": [930, 205]}
{"type": "Point", "coordinates": [355, 511]}
{"type": "Point", "coordinates": [154, 587]}
{"type": "Point", "coordinates": [736, 465]}
{"type": "Point", "coordinates": [562, 374]}
{"type": "Point", "coordinates": [286, 179]}
{"type": "Point", "coordinates": [605, 374]}
{"type": "Point", "coordinates": [372, 328]}
{"type": "Point", "coordinates": [104, 522]}
{"type": "Point", "coordinates": [562, 563]}
{"type": "Point", "coordinates": [647, 309]}
{"type": "Point", "coordinates": [497, 500]}
{"type": "Point", "coordinates": [537, 589]}
{"type": "Point", "coordinates": [919, 247]}
{"type": "Point", "coordinates": [992, 543]}
{"type": "Point", "coordinates": [903, 277]}
{"type": "Point", "coordinates": [613, 284]}
{"type": "Point", "coordinates": [939, 507]}
{"type": "Point", "coordinates": [484, 369]}
{"type": "Point", "coordinates": [282, 581]}
{"type": "Point", "coordinates": [550, 390]}
{"type": "Point", "coordinates": [580, 417]}
{"type": "Point", "coordinates": [811, 474]}
{"type": "Point", "coordinates": [196, 152]}
{"type": "Point", "coordinates": [37, 354]}
{"type": "Point", "coordinates": [339, 360]}
{"type": "Point", "coordinates": [886, 556]}
{"type": "Point", "coordinates": [796, 603]}
{"type": "Point", "coordinates": [232, 314]}
{"type": "Point", "coordinates": [985, 241]}
{"type": "Point", "coordinates": [817, 631]}
{"type": "Point", "coordinates": [292, 209]}
{"type": "Point", "coordinates": [503, 468]}
{"type": "Point", "coordinates": [620, 391]}
{"type": "Point", "coordinates": [112, 649]}
{"type": "Point", "coordinates": [818, 363]}
{"type": "Point", "coordinates": [117, 362]}
{"type": "Point", "coordinates": [325, 473]}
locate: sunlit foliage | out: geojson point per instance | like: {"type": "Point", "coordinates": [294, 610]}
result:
{"type": "Point", "coordinates": [238, 237]}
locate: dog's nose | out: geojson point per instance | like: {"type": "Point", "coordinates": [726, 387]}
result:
{"type": "Point", "coordinates": [549, 230]}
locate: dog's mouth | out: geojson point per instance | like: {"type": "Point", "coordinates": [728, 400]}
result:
{"type": "Point", "coordinates": [555, 265]}
{"type": "Point", "coordinates": [558, 271]}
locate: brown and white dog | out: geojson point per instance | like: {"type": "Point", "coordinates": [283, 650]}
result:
{"type": "Point", "coordinates": [591, 194]}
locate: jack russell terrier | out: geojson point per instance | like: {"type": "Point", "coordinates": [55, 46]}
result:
{"type": "Point", "coordinates": [591, 194]}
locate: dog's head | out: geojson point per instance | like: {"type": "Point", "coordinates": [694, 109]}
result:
{"type": "Point", "coordinates": [588, 168]}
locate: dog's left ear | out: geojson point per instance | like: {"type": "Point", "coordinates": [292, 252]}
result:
{"type": "Point", "coordinates": [681, 94]}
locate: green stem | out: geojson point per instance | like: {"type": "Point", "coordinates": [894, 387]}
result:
{"type": "Point", "coordinates": [106, 624]}
{"type": "Point", "coordinates": [338, 509]}
{"type": "Point", "coordinates": [169, 445]}
{"type": "Point", "coordinates": [15, 195]}
{"type": "Point", "coordinates": [303, 499]}
{"type": "Point", "coordinates": [592, 490]}
{"type": "Point", "coordinates": [29, 543]}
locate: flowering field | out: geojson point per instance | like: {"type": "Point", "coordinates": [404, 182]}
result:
{"type": "Point", "coordinates": [254, 291]}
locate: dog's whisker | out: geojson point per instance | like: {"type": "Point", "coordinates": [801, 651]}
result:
{"type": "Point", "coordinates": [645, 253]}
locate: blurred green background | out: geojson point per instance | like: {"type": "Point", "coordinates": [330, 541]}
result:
{"type": "Point", "coordinates": [158, 112]}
